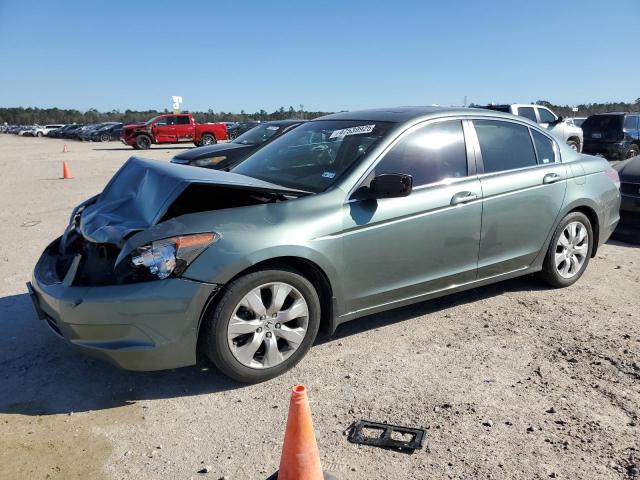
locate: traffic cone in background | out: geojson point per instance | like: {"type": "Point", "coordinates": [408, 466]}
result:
{"type": "Point", "coordinates": [65, 149]}
{"type": "Point", "coordinates": [66, 174]}
{"type": "Point", "coordinates": [300, 458]}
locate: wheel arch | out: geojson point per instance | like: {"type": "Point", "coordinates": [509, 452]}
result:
{"type": "Point", "coordinates": [591, 214]}
{"type": "Point", "coordinates": [307, 268]}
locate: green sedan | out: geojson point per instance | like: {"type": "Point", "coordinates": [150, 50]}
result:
{"type": "Point", "coordinates": [344, 216]}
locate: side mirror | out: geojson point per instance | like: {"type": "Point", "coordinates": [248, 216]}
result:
{"type": "Point", "coordinates": [388, 185]}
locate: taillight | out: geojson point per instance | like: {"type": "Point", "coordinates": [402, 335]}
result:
{"type": "Point", "coordinates": [613, 175]}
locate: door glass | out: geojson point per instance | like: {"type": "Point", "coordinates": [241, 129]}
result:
{"type": "Point", "coordinates": [546, 116]}
{"type": "Point", "coordinates": [162, 122]}
{"type": "Point", "coordinates": [430, 154]}
{"type": "Point", "coordinates": [527, 112]}
{"type": "Point", "coordinates": [183, 120]}
{"type": "Point", "coordinates": [504, 145]}
{"type": "Point", "coordinates": [544, 147]}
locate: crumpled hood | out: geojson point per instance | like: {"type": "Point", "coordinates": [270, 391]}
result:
{"type": "Point", "coordinates": [142, 190]}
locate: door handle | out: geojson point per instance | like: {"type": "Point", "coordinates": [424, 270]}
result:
{"type": "Point", "coordinates": [463, 197]}
{"type": "Point", "coordinates": [551, 178]}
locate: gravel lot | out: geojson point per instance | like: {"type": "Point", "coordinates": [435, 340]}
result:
{"type": "Point", "coordinates": [511, 381]}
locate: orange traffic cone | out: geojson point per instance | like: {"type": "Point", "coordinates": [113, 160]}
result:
{"type": "Point", "coordinates": [65, 149]}
{"type": "Point", "coordinates": [300, 458]}
{"type": "Point", "coordinates": [66, 174]}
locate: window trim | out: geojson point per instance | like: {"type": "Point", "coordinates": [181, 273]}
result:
{"type": "Point", "coordinates": [470, 153]}
{"type": "Point", "coordinates": [480, 162]}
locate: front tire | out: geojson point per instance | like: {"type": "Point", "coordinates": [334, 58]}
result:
{"type": "Point", "coordinates": [569, 251]}
{"type": "Point", "coordinates": [263, 325]}
{"type": "Point", "coordinates": [143, 142]}
{"type": "Point", "coordinates": [633, 151]}
{"type": "Point", "coordinates": [105, 137]}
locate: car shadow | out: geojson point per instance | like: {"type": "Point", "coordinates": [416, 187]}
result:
{"type": "Point", "coordinates": [618, 242]}
{"type": "Point", "coordinates": [526, 283]}
{"type": "Point", "coordinates": [43, 375]}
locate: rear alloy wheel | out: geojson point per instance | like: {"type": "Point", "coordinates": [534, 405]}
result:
{"type": "Point", "coordinates": [105, 137]}
{"type": "Point", "coordinates": [569, 251]}
{"type": "Point", "coordinates": [633, 151]}
{"type": "Point", "coordinates": [143, 142]}
{"type": "Point", "coordinates": [207, 139]}
{"type": "Point", "coordinates": [263, 325]}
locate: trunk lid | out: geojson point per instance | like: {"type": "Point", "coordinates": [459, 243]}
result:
{"type": "Point", "coordinates": [603, 128]}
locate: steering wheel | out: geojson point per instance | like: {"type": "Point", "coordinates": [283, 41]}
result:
{"type": "Point", "coordinates": [323, 154]}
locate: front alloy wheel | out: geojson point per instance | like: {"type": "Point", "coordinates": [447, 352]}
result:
{"type": "Point", "coordinates": [262, 325]}
{"type": "Point", "coordinates": [268, 325]}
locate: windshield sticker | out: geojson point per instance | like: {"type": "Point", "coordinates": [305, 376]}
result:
{"type": "Point", "coordinates": [328, 174]}
{"type": "Point", "coordinates": [352, 131]}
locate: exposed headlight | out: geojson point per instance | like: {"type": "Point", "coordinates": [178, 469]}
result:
{"type": "Point", "coordinates": [203, 162]}
{"type": "Point", "coordinates": [172, 255]}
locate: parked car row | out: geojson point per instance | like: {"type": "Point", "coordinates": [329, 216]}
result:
{"type": "Point", "coordinates": [97, 132]}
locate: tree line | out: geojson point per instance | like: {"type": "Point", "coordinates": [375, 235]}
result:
{"type": "Point", "coordinates": [42, 116]}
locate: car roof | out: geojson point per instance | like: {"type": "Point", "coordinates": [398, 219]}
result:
{"type": "Point", "coordinates": [284, 123]}
{"type": "Point", "coordinates": [406, 114]}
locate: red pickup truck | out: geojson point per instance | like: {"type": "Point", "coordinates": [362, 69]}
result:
{"type": "Point", "coordinates": [172, 128]}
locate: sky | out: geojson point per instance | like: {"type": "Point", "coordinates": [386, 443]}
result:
{"type": "Point", "coordinates": [326, 55]}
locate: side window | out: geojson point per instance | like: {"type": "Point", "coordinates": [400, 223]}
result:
{"type": "Point", "coordinates": [631, 122]}
{"type": "Point", "coordinates": [527, 112]}
{"type": "Point", "coordinates": [546, 116]}
{"type": "Point", "coordinates": [162, 122]}
{"type": "Point", "coordinates": [171, 120]}
{"type": "Point", "coordinates": [430, 154]}
{"type": "Point", "coordinates": [504, 145]}
{"type": "Point", "coordinates": [544, 147]}
{"type": "Point", "coordinates": [183, 120]}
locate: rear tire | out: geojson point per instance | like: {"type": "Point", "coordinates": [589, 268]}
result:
{"type": "Point", "coordinates": [143, 142]}
{"type": "Point", "coordinates": [207, 139]}
{"type": "Point", "coordinates": [633, 151]}
{"type": "Point", "coordinates": [105, 137]}
{"type": "Point", "coordinates": [219, 338]}
{"type": "Point", "coordinates": [575, 146]}
{"type": "Point", "coordinates": [569, 251]}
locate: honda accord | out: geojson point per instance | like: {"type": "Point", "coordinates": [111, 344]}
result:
{"type": "Point", "coordinates": [341, 217]}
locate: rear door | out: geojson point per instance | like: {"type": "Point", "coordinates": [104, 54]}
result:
{"type": "Point", "coordinates": [523, 187]}
{"type": "Point", "coordinates": [184, 128]}
{"type": "Point", "coordinates": [165, 130]}
{"type": "Point", "coordinates": [399, 248]}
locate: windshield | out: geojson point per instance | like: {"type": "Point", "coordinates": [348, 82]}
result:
{"type": "Point", "coordinates": [258, 135]}
{"type": "Point", "coordinates": [152, 120]}
{"type": "Point", "coordinates": [314, 155]}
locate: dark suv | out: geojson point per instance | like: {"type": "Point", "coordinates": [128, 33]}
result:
{"type": "Point", "coordinates": [615, 136]}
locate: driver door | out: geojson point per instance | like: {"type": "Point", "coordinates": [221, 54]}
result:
{"type": "Point", "coordinates": [401, 248]}
{"type": "Point", "coordinates": [165, 130]}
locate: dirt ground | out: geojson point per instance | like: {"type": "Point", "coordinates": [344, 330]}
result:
{"type": "Point", "coordinates": [513, 381]}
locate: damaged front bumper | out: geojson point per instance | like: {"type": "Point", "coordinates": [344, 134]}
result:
{"type": "Point", "coordinates": [149, 325]}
